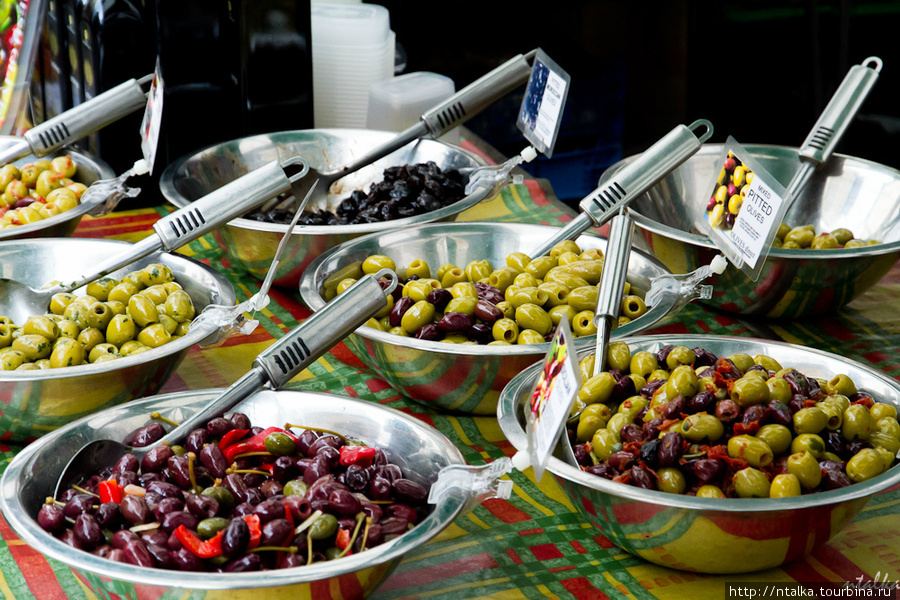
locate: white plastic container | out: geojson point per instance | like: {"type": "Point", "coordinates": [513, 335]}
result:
{"type": "Point", "coordinates": [397, 103]}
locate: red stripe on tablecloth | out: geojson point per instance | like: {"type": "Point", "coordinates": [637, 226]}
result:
{"type": "Point", "coordinates": [582, 589]}
{"type": "Point", "coordinates": [845, 568]}
{"type": "Point", "coordinates": [446, 570]}
{"type": "Point", "coordinates": [838, 331]}
{"type": "Point", "coordinates": [672, 328]}
{"type": "Point", "coordinates": [505, 511]}
{"type": "Point", "coordinates": [546, 551]}
{"type": "Point", "coordinates": [36, 571]}
{"type": "Point", "coordinates": [343, 354]}
{"type": "Point", "coordinates": [800, 570]}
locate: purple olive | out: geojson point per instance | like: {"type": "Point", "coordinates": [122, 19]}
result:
{"type": "Point", "coordinates": [136, 553]}
{"type": "Point", "coordinates": [430, 332]}
{"type": "Point", "coordinates": [488, 292]}
{"type": "Point", "coordinates": [51, 518]}
{"type": "Point", "coordinates": [214, 459]}
{"type": "Point", "coordinates": [240, 421]}
{"type": "Point", "coordinates": [148, 434]}
{"type": "Point", "coordinates": [134, 510]}
{"type": "Point", "coordinates": [480, 333]}
{"type": "Point", "coordinates": [218, 427]}
{"type": "Point", "coordinates": [439, 297]}
{"type": "Point", "coordinates": [602, 470]}
{"type": "Point", "coordinates": [122, 537]}
{"type": "Point", "coordinates": [196, 439]}
{"type": "Point", "coordinates": [399, 309]}
{"type": "Point", "coordinates": [455, 322]}
{"type": "Point", "coordinates": [276, 532]}
{"type": "Point", "coordinates": [409, 491]}
{"type": "Point", "coordinates": [701, 402]}
{"type": "Point", "coordinates": [487, 311]}
{"type": "Point", "coordinates": [155, 459]}
{"type": "Point", "coordinates": [727, 410]}
{"type": "Point", "coordinates": [642, 477]}
{"type": "Point", "coordinates": [670, 449]}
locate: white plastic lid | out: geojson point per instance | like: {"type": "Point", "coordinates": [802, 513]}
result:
{"type": "Point", "coordinates": [398, 102]}
{"type": "Point", "coordinates": [349, 24]}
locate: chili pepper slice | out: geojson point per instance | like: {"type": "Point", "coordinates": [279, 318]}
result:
{"type": "Point", "coordinates": [866, 401]}
{"type": "Point", "coordinates": [253, 524]}
{"type": "Point", "coordinates": [751, 429]}
{"type": "Point", "coordinates": [342, 540]}
{"type": "Point", "coordinates": [357, 455]}
{"type": "Point", "coordinates": [232, 437]}
{"type": "Point", "coordinates": [200, 548]}
{"type": "Point", "coordinates": [257, 443]}
{"type": "Point", "coordinates": [111, 491]}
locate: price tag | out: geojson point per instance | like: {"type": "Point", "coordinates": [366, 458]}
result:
{"type": "Point", "coordinates": [152, 119]}
{"type": "Point", "coordinates": [744, 208]}
{"type": "Point", "coordinates": [542, 107]}
{"type": "Point", "coordinates": [552, 398]}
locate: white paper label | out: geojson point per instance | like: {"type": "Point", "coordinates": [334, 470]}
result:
{"type": "Point", "coordinates": [152, 118]}
{"type": "Point", "coordinates": [754, 221]}
{"type": "Point", "coordinates": [542, 106]}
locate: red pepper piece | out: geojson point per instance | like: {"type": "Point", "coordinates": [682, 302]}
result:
{"type": "Point", "coordinates": [342, 540]}
{"type": "Point", "coordinates": [253, 524]}
{"type": "Point", "coordinates": [357, 455]}
{"type": "Point", "coordinates": [200, 548]}
{"type": "Point", "coordinates": [257, 443]}
{"type": "Point", "coordinates": [231, 437]}
{"type": "Point", "coordinates": [867, 402]}
{"type": "Point", "coordinates": [751, 429]}
{"type": "Point", "coordinates": [111, 491]}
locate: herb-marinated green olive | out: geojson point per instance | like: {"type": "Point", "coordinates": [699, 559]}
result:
{"type": "Point", "coordinates": [809, 442]}
{"type": "Point", "coordinates": [618, 356]}
{"type": "Point", "coordinates": [100, 289]}
{"type": "Point", "coordinates": [857, 423]}
{"type": "Point", "coordinates": [680, 355]}
{"type": "Point", "coordinates": [701, 427]}
{"type": "Point", "coordinates": [840, 384]}
{"type": "Point", "coordinates": [643, 363]}
{"type": "Point", "coordinates": [751, 483]}
{"type": "Point", "coordinates": [154, 335]}
{"type": "Point", "coordinates": [122, 292]}
{"type": "Point", "coordinates": [805, 467]}
{"type": "Point", "coordinates": [179, 306]}
{"type": "Point", "coordinates": [778, 437]}
{"type": "Point", "coordinates": [605, 443]}
{"type": "Point", "coordinates": [749, 390]}
{"type": "Point", "coordinates": [865, 464]}
{"type": "Point", "coordinates": [709, 491]}
{"type": "Point", "coordinates": [754, 450]}
{"type": "Point", "coordinates": [671, 480]}
{"type": "Point", "coordinates": [41, 325]}
{"type": "Point", "coordinates": [100, 350]}
{"type": "Point", "coordinates": [784, 485]}
{"type": "Point", "coordinates": [66, 353]}
{"type": "Point", "coordinates": [32, 346]}
{"type": "Point", "coordinates": [598, 388]}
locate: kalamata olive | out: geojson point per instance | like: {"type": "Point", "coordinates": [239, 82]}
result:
{"type": "Point", "coordinates": [624, 388]}
{"type": "Point", "coordinates": [306, 437]}
{"type": "Point", "coordinates": [356, 478]}
{"type": "Point", "coordinates": [78, 504]}
{"type": "Point", "coordinates": [166, 506]}
{"type": "Point", "coordinates": [642, 477]}
{"type": "Point", "coordinates": [156, 458]}
{"type": "Point", "coordinates": [394, 526]}
{"type": "Point", "coordinates": [127, 462]}
{"type": "Point", "coordinates": [196, 439]}
{"type": "Point", "coordinates": [134, 510]}
{"type": "Point", "coordinates": [379, 488]}
{"type": "Point", "coordinates": [621, 460]}
{"type": "Point", "coordinates": [798, 382]}
{"type": "Point", "coordinates": [796, 403]}
{"type": "Point", "coordinates": [631, 433]}
{"type": "Point", "coordinates": [122, 537]}
{"type": "Point", "coordinates": [480, 333]}
{"type": "Point", "coordinates": [857, 445]}
{"type": "Point", "coordinates": [240, 421]}
{"type": "Point", "coordinates": [202, 506]}
{"type": "Point", "coordinates": [369, 508]}
{"type": "Point", "coordinates": [252, 495]}
{"type": "Point", "coordinates": [343, 502]}
{"type": "Point", "coordinates": [429, 332]}
{"type": "Point", "coordinates": [299, 506]}
{"type": "Point", "coordinates": [670, 449]}
{"type": "Point", "coordinates": [271, 488]}
{"type": "Point", "coordinates": [269, 509]}
{"type": "Point", "coordinates": [707, 469]}
{"type": "Point", "coordinates": [155, 536]}
{"type": "Point", "coordinates": [703, 357]}
{"type": "Point", "coordinates": [152, 499]}
{"type": "Point", "coordinates": [316, 469]}
{"type": "Point", "coordinates": [650, 452]}
{"type": "Point", "coordinates": [127, 478]}
{"type": "Point", "coordinates": [68, 495]}
{"type": "Point", "coordinates": [108, 515]}
{"type": "Point", "coordinates": [214, 460]}
{"type": "Point", "coordinates": [651, 428]}
{"type": "Point", "coordinates": [602, 470]}
{"type": "Point", "coordinates": [244, 564]}
{"type": "Point", "coordinates": [455, 322]}
{"type": "Point", "coordinates": [68, 538]}
{"type": "Point", "coordinates": [487, 311]}
{"type": "Point", "coordinates": [187, 560]}
{"type": "Point", "coordinates": [488, 292]}
{"type": "Point", "coordinates": [834, 442]}
{"type": "Point", "coordinates": [439, 298]}
{"type": "Point", "coordinates": [650, 387]}
{"type": "Point", "coordinates": [284, 469]}
{"type": "Point", "coordinates": [148, 434]}
{"type": "Point", "coordinates": [727, 410]}
{"type": "Point", "coordinates": [582, 456]}
{"type": "Point", "coordinates": [171, 521]}
{"type": "Point", "coordinates": [674, 408]}
{"type": "Point", "coordinates": [146, 479]}
{"type": "Point", "coordinates": [165, 489]}
{"type": "Point", "coordinates": [663, 353]}
{"type": "Point", "coordinates": [332, 456]}
{"type": "Point", "coordinates": [243, 509]}
{"type": "Point", "coordinates": [831, 465]}
{"type": "Point", "coordinates": [234, 483]}
{"type": "Point", "coordinates": [136, 553]}
{"type": "Point", "coordinates": [275, 532]}
{"type": "Point", "coordinates": [780, 413]}
{"type": "Point", "coordinates": [390, 472]}
{"type": "Point", "coordinates": [102, 551]}
{"type": "Point", "coordinates": [399, 309]}
{"type": "Point", "coordinates": [116, 555]}
{"type": "Point", "coordinates": [833, 479]}
{"type": "Point", "coordinates": [235, 538]}
{"type": "Point", "coordinates": [162, 558]}
{"type": "Point", "coordinates": [756, 413]}
{"type": "Point", "coordinates": [701, 402]}
{"type": "Point", "coordinates": [51, 518]}
{"type": "Point", "coordinates": [218, 427]}
{"type": "Point", "coordinates": [253, 480]}
{"type": "Point", "coordinates": [325, 440]}
{"type": "Point", "coordinates": [407, 490]}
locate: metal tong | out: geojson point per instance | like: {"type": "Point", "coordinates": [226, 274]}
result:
{"type": "Point", "coordinates": [617, 191]}
{"type": "Point", "coordinates": [833, 122]}
{"type": "Point", "coordinates": [75, 123]}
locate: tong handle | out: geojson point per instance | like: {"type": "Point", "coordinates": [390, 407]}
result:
{"type": "Point", "coordinates": [839, 112]}
{"type": "Point", "coordinates": [226, 203]}
{"type": "Point", "coordinates": [75, 123]}
{"type": "Point", "coordinates": [612, 284]}
{"type": "Point", "coordinates": [477, 96]}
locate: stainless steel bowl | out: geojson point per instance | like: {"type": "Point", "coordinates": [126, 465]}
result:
{"type": "Point", "coordinates": [460, 378]}
{"type": "Point", "coordinates": [860, 195]}
{"type": "Point", "coordinates": [421, 451]}
{"type": "Point", "coordinates": [710, 535]}
{"type": "Point", "coordinates": [251, 244]}
{"type": "Point", "coordinates": [90, 169]}
{"type": "Point", "coordinates": [36, 402]}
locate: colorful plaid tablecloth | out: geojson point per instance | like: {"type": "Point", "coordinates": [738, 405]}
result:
{"type": "Point", "coordinates": [533, 545]}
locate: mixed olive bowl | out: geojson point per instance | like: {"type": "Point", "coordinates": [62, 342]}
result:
{"type": "Point", "coordinates": [421, 451]}
{"type": "Point", "coordinates": [251, 245]}
{"type": "Point", "coordinates": [847, 192]}
{"type": "Point", "coordinates": [461, 378]}
{"type": "Point", "coordinates": [90, 169]}
{"type": "Point", "coordinates": [711, 535]}
{"type": "Point", "coordinates": [34, 402]}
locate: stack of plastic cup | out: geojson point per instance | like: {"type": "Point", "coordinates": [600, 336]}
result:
{"type": "Point", "coordinates": [352, 47]}
{"type": "Point", "coordinates": [398, 103]}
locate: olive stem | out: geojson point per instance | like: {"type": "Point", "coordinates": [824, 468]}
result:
{"type": "Point", "coordinates": [231, 470]}
{"type": "Point", "coordinates": [291, 549]}
{"type": "Point", "coordinates": [260, 453]}
{"type": "Point", "coordinates": [78, 488]}
{"type": "Point", "coordinates": [52, 500]}
{"type": "Point", "coordinates": [318, 429]}
{"type": "Point", "coordinates": [309, 547]}
{"type": "Point", "coordinates": [359, 522]}
{"type": "Point", "coordinates": [369, 522]}
{"type": "Point", "coordinates": [308, 522]}
{"type": "Point", "coordinates": [191, 458]}
{"type": "Point", "coordinates": [159, 417]}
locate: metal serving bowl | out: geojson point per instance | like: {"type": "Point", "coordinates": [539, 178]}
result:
{"type": "Point", "coordinates": [712, 535]}
{"type": "Point", "coordinates": [454, 377]}
{"type": "Point", "coordinates": [251, 244]}
{"type": "Point", "coordinates": [860, 195]}
{"type": "Point", "coordinates": [90, 169]}
{"type": "Point", "coordinates": [35, 402]}
{"type": "Point", "coordinates": [421, 451]}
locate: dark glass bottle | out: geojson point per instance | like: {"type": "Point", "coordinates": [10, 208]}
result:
{"type": "Point", "coordinates": [53, 60]}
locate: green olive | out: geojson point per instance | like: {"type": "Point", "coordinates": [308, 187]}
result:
{"type": "Point", "coordinates": [801, 236]}
{"type": "Point", "coordinates": [377, 262]}
{"type": "Point", "coordinates": [508, 310]}
{"type": "Point", "coordinates": [295, 487]}
{"type": "Point", "coordinates": [419, 314]}
{"type": "Point", "coordinates": [122, 292]}
{"type": "Point", "coordinates": [583, 298]}
{"type": "Point", "coordinates": [658, 374]}
{"type": "Point", "coordinates": [529, 336]}
{"type": "Point", "coordinates": [120, 330]}
{"type": "Point", "coordinates": [563, 247]}
{"type": "Point", "coordinates": [588, 426]}
{"type": "Point", "coordinates": [583, 323]}
{"type": "Point", "coordinates": [589, 270]}
{"type": "Point", "coordinates": [784, 485]}
{"type": "Point", "coordinates": [221, 495]}
{"type": "Point", "coordinates": [671, 480]}
{"type": "Point", "coordinates": [280, 444]}
{"type": "Point", "coordinates": [824, 241]}
{"type": "Point", "coordinates": [702, 427]}
{"type": "Point", "coordinates": [749, 390]}
{"type": "Point", "coordinates": [209, 527]}
{"type": "Point", "coordinates": [67, 329]}
{"type": "Point", "coordinates": [324, 527]}
{"type": "Point", "coordinates": [154, 335]}
{"type": "Point", "coordinates": [32, 346]}
{"type": "Point", "coordinates": [633, 306]}
{"type": "Point", "coordinates": [880, 410]}
{"type": "Point", "coordinates": [117, 308]}
{"type": "Point", "coordinates": [502, 278]}
{"type": "Point", "coordinates": [557, 294]}
{"type": "Point", "coordinates": [767, 362]}
{"type": "Point", "coordinates": [779, 389]}
{"type": "Point", "coordinates": [605, 443]}
{"type": "Point", "coordinates": [157, 294]}
{"type": "Point", "coordinates": [419, 268]}
{"type": "Point", "coordinates": [505, 330]}
{"type": "Point", "coordinates": [525, 295]}
{"type": "Point", "coordinates": [463, 304]}
{"type": "Point", "coordinates": [617, 422]}
{"type": "Point", "coordinates": [833, 414]}
{"type": "Point", "coordinates": [526, 280]}
{"type": "Point", "coordinates": [132, 347]}
{"type": "Point", "coordinates": [598, 388]}
{"type": "Point", "coordinates": [586, 366]}
{"type": "Point", "coordinates": [778, 437]}
{"type": "Point", "coordinates": [643, 363]}
{"type": "Point", "coordinates": [463, 289]}
{"type": "Point", "coordinates": [532, 316]}
{"type": "Point", "coordinates": [98, 315]}
{"type": "Point", "coordinates": [841, 384]}
{"type": "Point", "coordinates": [865, 464]}
{"type": "Point", "coordinates": [41, 325]}
{"type": "Point", "coordinates": [709, 491]}
{"type": "Point", "coordinates": [810, 420]}
{"type": "Point", "coordinates": [879, 439]}
{"type": "Point", "coordinates": [518, 261]}
{"type": "Point", "coordinates": [888, 426]}
{"type": "Point", "coordinates": [751, 483]}
{"type": "Point", "coordinates": [753, 450]}
{"type": "Point", "coordinates": [89, 337]}
{"type": "Point", "coordinates": [540, 265]}
{"type": "Point", "coordinates": [100, 350]}
{"type": "Point", "coordinates": [100, 289]}
{"type": "Point", "coordinates": [682, 381]}
{"type": "Point", "coordinates": [560, 313]}
{"type": "Point", "coordinates": [680, 355]}
{"type": "Point", "coordinates": [857, 423]}
{"type": "Point", "coordinates": [11, 360]}
{"type": "Point", "coordinates": [809, 442]}
{"type": "Point", "coordinates": [618, 356]}
{"type": "Point", "coordinates": [742, 361]}
{"type": "Point", "coordinates": [66, 353]}
{"type": "Point", "coordinates": [805, 467]}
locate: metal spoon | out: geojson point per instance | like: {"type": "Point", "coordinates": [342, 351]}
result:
{"type": "Point", "coordinates": [75, 123]}
{"type": "Point", "coordinates": [274, 366]}
{"type": "Point", "coordinates": [609, 300]}
{"type": "Point", "coordinates": [440, 119]}
{"type": "Point", "coordinates": [171, 232]}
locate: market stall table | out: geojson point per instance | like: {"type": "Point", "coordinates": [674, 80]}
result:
{"type": "Point", "coordinates": [533, 545]}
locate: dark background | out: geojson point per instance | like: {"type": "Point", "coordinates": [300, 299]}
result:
{"type": "Point", "coordinates": [761, 71]}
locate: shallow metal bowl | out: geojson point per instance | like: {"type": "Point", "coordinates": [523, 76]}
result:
{"type": "Point", "coordinates": [421, 451]}
{"type": "Point", "coordinates": [251, 244]}
{"type": "Point", "coordinates": [710, 535]}
{"type": "Point", "coordinates": [90, 169]}
{"type": "Point", "coordinates": [849, 192]}
{"type": "Point", "coordinates": [33, 403]}
{"type": "Point", "coordinates": [456, 377]}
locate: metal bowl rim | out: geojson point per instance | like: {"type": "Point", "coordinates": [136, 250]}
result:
{"type": "Point", "coordinates": [30, 532]}
{"type": "Point", "coordinates": [784, 253]}
{"type": "Point", "coordinates": [167, 188]}
{"type": "Point", "coordinates": [507, 416]}
{"type": "Point", "coordinates": [193, 336]}
{"type": "Point", "coordinates": [314, 300]}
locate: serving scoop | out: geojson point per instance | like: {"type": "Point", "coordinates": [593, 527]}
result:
{"type": "Point", "coordinates": [19, 301]}
{"type": "Point", "coordinates": [437, 121]}
{"type": "Point", "coordinates": [274, 366]}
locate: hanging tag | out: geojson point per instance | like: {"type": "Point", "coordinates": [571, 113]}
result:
{"type": "Point", "coordinates": [542, 107]}
{"type": "Point", "coordinates": [744, 208]}
{"type": "Point", "coordinates": [152, 119]}
{"type": "Point", "coordinates": [551, 400]}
